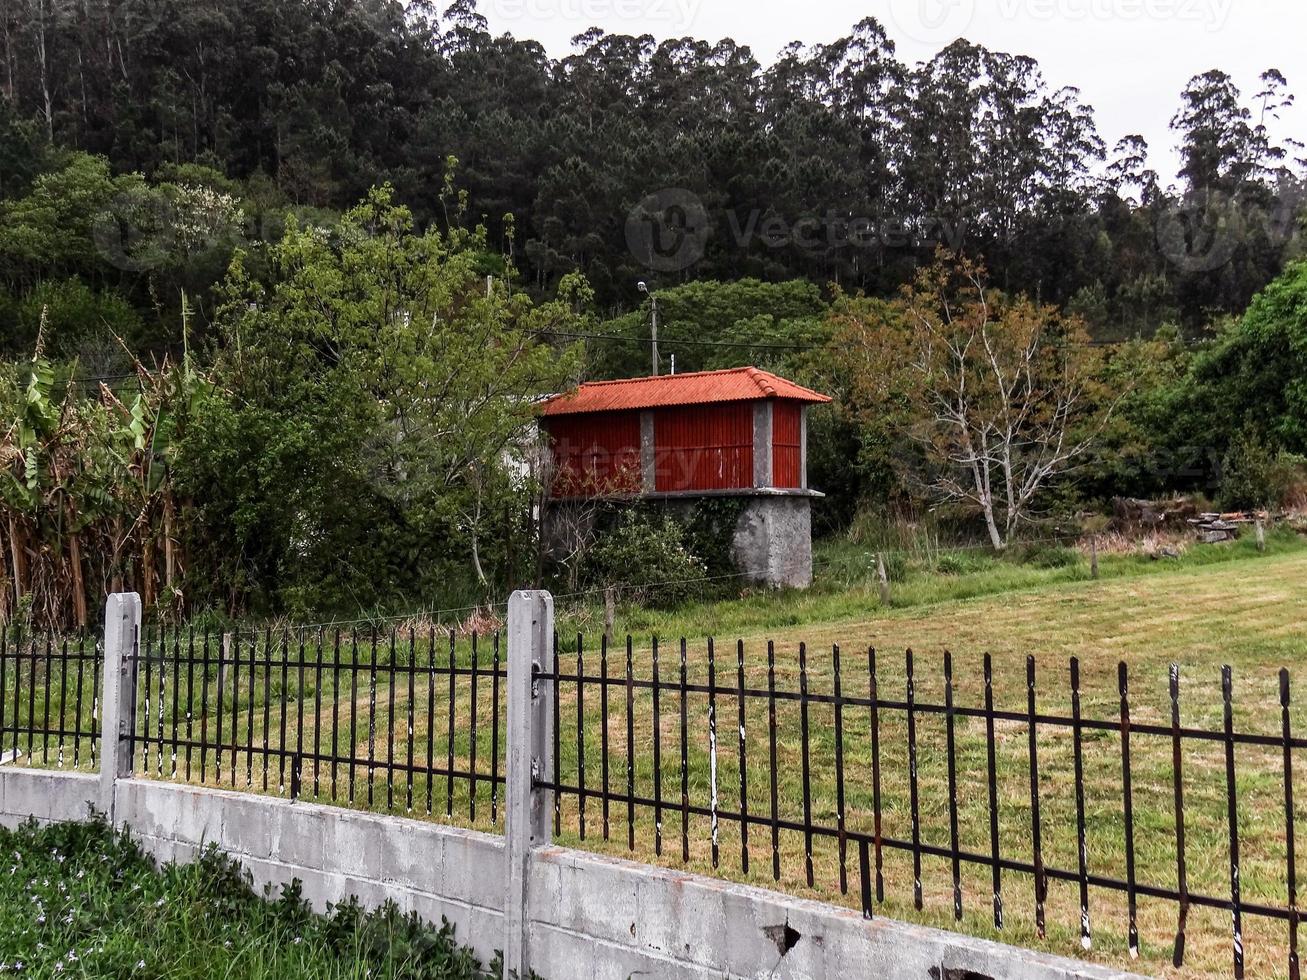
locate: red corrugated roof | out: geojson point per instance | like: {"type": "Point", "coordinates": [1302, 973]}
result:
{"type": "Point", "coordinates": [702, 388]}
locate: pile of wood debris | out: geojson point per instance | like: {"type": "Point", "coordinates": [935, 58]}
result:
{"type": "Point", "coordinates": [1179, 513]}
{"type": "Point", "coordinates": [1215, 528]}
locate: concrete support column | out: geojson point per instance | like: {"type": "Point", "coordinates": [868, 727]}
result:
{"type": "Point", "coordinates": [648, 454]}
{"type": "Point", "coordinates": [122, 629]}
{"type": "Point", "coordinates": [803, 447]}
{"type": "Point", "coordinates": [762, 443]}
{"type": "Point", "coordinates": [527, 810]}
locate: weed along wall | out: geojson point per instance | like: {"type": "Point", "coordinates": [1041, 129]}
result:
{"type": "Point", "coordinates": [560, 912]}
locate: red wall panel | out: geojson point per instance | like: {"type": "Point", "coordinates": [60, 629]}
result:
{"type": "Point", "coordinates": [704, 447]}
{"type": "Point", "coordinates": [595, 455]}
{"type": "Point", "coordinates": [787, 445]}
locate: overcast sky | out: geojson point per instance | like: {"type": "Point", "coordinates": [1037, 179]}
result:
{"type": "Point", "coordinates": [1130, 58]}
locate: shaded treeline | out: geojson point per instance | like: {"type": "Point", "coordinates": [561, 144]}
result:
{"type": "Point", "coordinates": [836, 163]}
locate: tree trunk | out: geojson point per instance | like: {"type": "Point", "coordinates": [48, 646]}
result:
{"type": "Point", "coordinates": [116, 580]}
{"type": "Point", "coordinates": [147, 565]}
{"type": "Point", "coordinates": [43, 61]}
{"type": "Point", "coordinates": [19, 563]}
{"type": "Point", "coordinates": [79, 581]}
{"type": "Point", "coordinates": [169, 549]}
{"type": "Point", "coordinates": [476, 542]}
{"type": "Point", "coordinates": [9, 59]}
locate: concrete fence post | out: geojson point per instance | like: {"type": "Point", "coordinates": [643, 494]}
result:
{"type": "Point", "coordinates": [122, 628]}
{"type": "Point", "coordinates": [530, 747]}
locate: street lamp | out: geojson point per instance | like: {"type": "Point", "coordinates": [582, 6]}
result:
{"type": "Point", "coordinates": [644, 288]}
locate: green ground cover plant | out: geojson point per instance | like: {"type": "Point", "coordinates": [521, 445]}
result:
{"type": "Point", "coordinates": [81, 900]}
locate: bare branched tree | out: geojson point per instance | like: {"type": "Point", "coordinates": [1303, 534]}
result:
{"type": "Point", "coordinates": [1001, 395]}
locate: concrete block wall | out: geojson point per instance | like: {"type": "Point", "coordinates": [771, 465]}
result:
{"type": "Point", "coordinates": [49, 796]}
{"type": "Point", "coordinates": [437, 872]}
{"type": "Point", "coordinates": [588, 916]}
{"type": "Point", "coordinates": [609, 919]}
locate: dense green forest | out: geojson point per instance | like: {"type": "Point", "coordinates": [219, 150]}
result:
{"type": "Point", "coordinates": [210, 120]}
{"type": "Point", "coordinates": [279, 280]}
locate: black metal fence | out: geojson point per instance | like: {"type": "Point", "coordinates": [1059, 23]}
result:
{"type": "Point", "coordinates": [701, 765]}
{"type": "Point", "coordinates": [1061, 805]}
{"type": "Point", "coordinates": [49, 700]}
{"type": "Point", "coordinates": [394, 720]}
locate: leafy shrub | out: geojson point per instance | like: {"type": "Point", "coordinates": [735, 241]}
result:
{"type": "Point", "coordinates": [960, 563]}
{"type": "Point", "coordinates": [646, 558]}
{"type": "Point", "coordinates": [710, 532]}
{"type": "Point", "coordinates": [79, 321]}
{"type": "Point", "coordinates": [1253, 476]}
{"type": "Point", "coordinates": [82, 899]}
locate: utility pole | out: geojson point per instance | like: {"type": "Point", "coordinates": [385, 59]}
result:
{"type": "Point", "coordinates": [653, 335]}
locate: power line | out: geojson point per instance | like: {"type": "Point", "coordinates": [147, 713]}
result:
{"type": "Point", "coordinates": [745, 345]}
{"type": "Point", "coordinates": [97, 379]}
{"type": "Point", "coordinates": [696, 343]}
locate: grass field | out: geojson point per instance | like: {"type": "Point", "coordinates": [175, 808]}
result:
{"type": "Point", "coordinates": [1217, 605]}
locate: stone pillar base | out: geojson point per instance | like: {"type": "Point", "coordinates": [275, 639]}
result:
{"type": "Point", "coordinates": [773, 541]}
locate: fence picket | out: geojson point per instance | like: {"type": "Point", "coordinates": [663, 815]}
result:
{"type": "Point", "coordinates": [603, 730]}
{"type": "Point", "coordinates": [774, 773]}
{"type": "Point", "coordinates": [991, 771]}
{"type": "Point", "coordinates": [657, 754]}
{"type": "Point", "coordinates": [840, 825]}
{"type": "Point", "coordinates": [1132, 901]}
{"type": "Point", "coordinates": [874, 688]}
{"type": "Point", "coordinates": [1236, 911]}
{"type": "Point", "coordinates": [630, 747]}
{"type": "Point", "coordinates": [950, 723]}
{"type": "Point", "coordinates": [580, 732]}
{"type": "Point", "coordinates": [807, 765]}
{"type": "Point", "coordinates": [1177, 775]}
{"type": "Point", "coordinates": [1036, 828]}
{"type": "Point", "coordinates": [472, 732]}
{"type": "Point", "coordinates": [743, 758]}
{"type": "Point", "coordinates": [913, 801]}
{"type": "Point", "coordinates": [1082, 847]}
{"type": "Point", "coordinates": [1290, 857]}
{"type": "Point", "coordinates": [712, 753]}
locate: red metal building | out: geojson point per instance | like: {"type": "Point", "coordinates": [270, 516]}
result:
{"type": "Point", "coordinates": [713, 432]}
